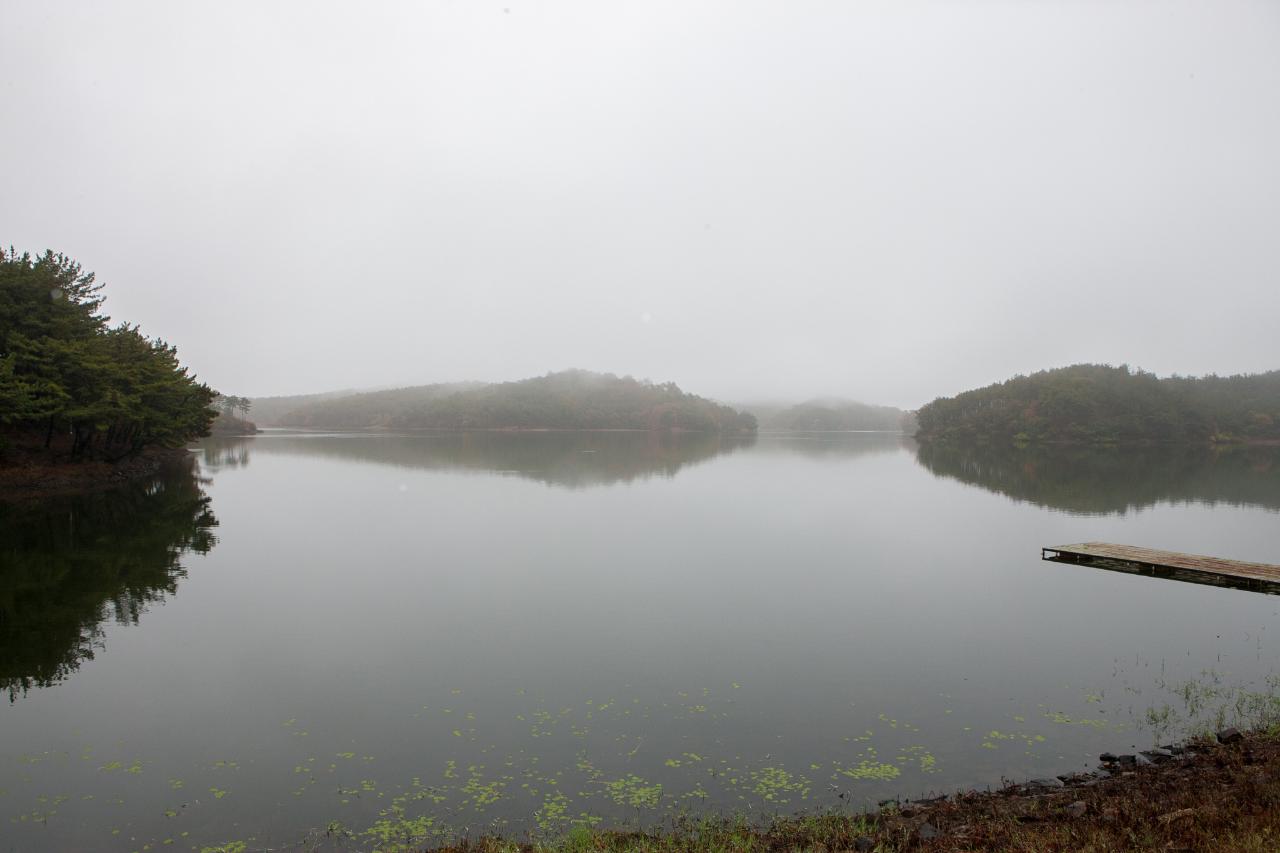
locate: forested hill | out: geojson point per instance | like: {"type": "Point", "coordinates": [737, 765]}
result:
{"type": "Point", "coordinates": [573, 399]}
{"type": "Point", "coordinates": [836, 415]}
{"type": "Point", "coordinates": [1100, 404]}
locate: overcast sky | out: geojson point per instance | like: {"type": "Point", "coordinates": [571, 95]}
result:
{"type": "Point", "coordinates": [888, 201]}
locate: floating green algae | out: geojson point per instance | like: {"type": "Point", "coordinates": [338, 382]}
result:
{"type": "Point", "coordinates": [633, 791]}
{"type": "Point", "coordinates": [870, 769]}
{"type": "Point", "coordinates": [771, 783]}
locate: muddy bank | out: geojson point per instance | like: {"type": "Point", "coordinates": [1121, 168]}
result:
{"type": "Point", "coordinates": [33, 478]}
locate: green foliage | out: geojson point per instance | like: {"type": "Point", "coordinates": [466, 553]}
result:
{"type": "Point", "coordinates": [69, 382]}
{"type": "Point", "coordinates": [1100, 404]}
{"type": "Point", "coordinates": [573, 399]}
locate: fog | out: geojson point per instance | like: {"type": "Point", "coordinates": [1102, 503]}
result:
{"type": "Point", "coordinates": [884, 201]}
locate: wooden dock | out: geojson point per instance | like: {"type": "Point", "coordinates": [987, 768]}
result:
{"type": "Point", "coordinates": [1259, 577]}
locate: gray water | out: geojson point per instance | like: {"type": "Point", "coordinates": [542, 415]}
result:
{"type": "Point", "coordinates": [365, 639]}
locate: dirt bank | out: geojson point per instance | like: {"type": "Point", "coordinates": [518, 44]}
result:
{"type": "Point", "coordinates": [30, 478]}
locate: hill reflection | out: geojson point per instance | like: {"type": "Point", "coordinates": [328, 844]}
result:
{"type": "Point", "coordinates": [69, 565]}
{"type": "Point", "coordinates": [834, 445]}
{"type": "Point", "coordinates": [1099, 481]}
{"type": "Point", "coordinates": [571, 460]}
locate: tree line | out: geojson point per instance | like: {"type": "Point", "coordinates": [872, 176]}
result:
{"type": "Point", "coordinates": [1101, 404]}
{"type": "Point", "coordinates": [73, 385]}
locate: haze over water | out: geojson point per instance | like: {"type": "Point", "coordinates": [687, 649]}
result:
{"type": "Point", "coordinates": [452, 633]}
{"type": "Point", "coordinates": [889, 201]}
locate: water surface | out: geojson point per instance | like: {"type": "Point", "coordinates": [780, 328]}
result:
{"type": "Point", "coordinates": [398, 637]}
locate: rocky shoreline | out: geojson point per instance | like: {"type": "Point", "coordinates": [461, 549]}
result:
{"type": "Point", "coordinates": [31, 480]}
{"type": "Point", "coordinates": [1192, 796]}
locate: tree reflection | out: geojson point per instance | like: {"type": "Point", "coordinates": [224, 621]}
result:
{"type": "Point", "coordinates": [1113, 480]}
{"type": "Point", "coordinates": [69, 565]}
{"type": "Point", "coordinates": [217, 454]}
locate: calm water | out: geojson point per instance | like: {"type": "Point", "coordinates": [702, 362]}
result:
{"type": "Point", "coordinates": [415, 635]}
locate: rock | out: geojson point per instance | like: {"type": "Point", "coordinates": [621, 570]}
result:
{"type": "Point", "coordinates": [928, 831]}
{"type": "Point", "coordinates": [862, 844]}
{"type": "Point", "coordinates": [1127, 760]}
{"type": "Point", "coordinates": [884, 804]}
{"type": "Point", "coordinates": [1156, 756]}
{"type": "Point", "coordinates": [1077, 809]}
{"type": "Point", "coordinates": [1043, 784]}
{"type": "Point", "coordinates": [1230, 735]}
{"type": "Point", "coordinates": [1108, 758]}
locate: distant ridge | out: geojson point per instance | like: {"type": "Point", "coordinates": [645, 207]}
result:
{"type": "Point", "coordinates": [836, 415]}
{"type": "Point", "coordinates": [268, 411]}
{"type": "Point", "coordinates": [571, 399]}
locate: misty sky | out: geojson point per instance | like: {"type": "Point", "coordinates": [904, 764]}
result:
{"type": "Point", "coordinates": [889, 201]}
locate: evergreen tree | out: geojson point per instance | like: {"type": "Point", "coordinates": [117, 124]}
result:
{"type": "Point", "coordinates": [71, 383]}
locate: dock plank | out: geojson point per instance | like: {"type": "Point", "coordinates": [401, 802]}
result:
{"type": "Point", "coordinates": [1189, 567]}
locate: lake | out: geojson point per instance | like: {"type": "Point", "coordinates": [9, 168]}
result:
{"type": "Point", "coordinates": [364, 639]}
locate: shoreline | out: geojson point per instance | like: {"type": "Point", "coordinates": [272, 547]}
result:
{"type": "Point", "coordinates": [1208, 793]}
{"type": "Point", "coordinates": [27, 482]}
{"type": "Point", "coordinates": [389, 430]}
